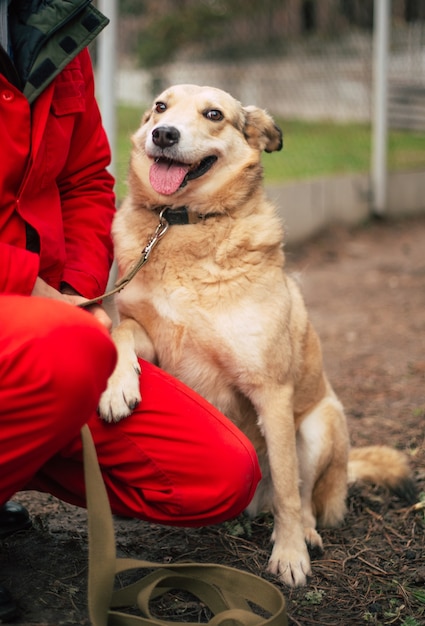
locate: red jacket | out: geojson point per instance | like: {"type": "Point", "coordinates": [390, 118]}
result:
{"type": "Point", "coordinates": [53, 156]}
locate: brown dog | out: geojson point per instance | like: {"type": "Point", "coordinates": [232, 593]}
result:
{"type": "Point", "coordinates": [214, 307]}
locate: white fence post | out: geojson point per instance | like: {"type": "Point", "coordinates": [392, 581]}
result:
{"type": "Point", "coordinates": [107, 65]}
{"type": "Point", "coordinates": [382, 13]}
{"type": "Point", "coordinates": [106, 89]}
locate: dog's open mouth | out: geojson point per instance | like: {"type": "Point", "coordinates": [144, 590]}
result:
{"type": "Point", "coordinates": [167, 176]}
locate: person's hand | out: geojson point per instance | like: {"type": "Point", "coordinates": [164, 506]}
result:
{"type": "Point", "coordinates": [95, 309]}
{"type": "Point", "coordinates": [69, 295]}
{"type": "Point", "coordinates": [99, 313]}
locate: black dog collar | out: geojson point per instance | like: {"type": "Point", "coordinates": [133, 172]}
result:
{"type": "Point", "coordinates": [181, 215]}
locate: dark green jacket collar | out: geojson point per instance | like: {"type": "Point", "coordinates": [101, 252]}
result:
{"type": "Point", "coordinates": [46, 35]}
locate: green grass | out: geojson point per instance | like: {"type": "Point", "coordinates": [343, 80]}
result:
{"type": "Point", "coordinates": [311, 149]}
{"type": "Point", "coordinates": [314, 149]}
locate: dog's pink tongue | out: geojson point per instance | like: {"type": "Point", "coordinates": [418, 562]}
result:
{"type": "Point", "coordinates": [167, 176]}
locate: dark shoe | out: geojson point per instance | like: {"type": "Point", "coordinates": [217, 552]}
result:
{"type": "Point", "coordinates": [13, 517]}
{"type": "Point", "coordinates": [8, 608]}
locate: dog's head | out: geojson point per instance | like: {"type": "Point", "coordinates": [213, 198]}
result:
{"type": "Point", "coordinates": [196, 141]}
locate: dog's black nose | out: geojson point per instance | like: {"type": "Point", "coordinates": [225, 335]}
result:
{"type": "Point", "coordinates": [165, 136]}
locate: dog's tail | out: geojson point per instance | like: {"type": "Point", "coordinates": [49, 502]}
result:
{"type": "Point", "coordinates": [382, 466]}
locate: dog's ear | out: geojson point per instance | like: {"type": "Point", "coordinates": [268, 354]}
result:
{"type": "Point", "coordinates": [260, 130]}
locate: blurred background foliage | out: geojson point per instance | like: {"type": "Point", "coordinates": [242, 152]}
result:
{"type": "Point", "coordinates": [237, 29]}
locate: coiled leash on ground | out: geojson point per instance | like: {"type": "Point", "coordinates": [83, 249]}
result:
{"type": "Point", "coordinates": [227, 592]}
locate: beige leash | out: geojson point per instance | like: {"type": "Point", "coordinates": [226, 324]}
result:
{"type": "Point", "coordinates": [230, 594]}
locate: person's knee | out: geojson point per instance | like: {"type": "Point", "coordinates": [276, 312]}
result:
{"type": "Point", "coordinates": [75, 354]}
{"type": "Point", "coordinates": [223, 489]}
{"type": "Point", "coordinates": [238, 479]}
{"type": "Point", "coordinates": [83, 357]}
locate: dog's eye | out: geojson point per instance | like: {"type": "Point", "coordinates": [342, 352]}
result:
{"type": "Point", "coordinates": [214, 114]}
{"type": "Point", "coordinates": [160, 107]}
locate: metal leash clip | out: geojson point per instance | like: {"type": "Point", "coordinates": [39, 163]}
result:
{"type": "Point", "coordinates": [160, 231]}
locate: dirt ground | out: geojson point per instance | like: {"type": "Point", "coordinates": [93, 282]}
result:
{"type": "Point", "coordinates": [365, 289]}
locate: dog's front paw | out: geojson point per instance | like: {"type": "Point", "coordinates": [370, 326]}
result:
{"type": "Point", "coordinates": [292, 565]}
{"type": "Point", "coordinates": [121, 395]}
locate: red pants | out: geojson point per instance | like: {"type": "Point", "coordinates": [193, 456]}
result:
{"type": "Point", "coordinates": [175, 460]}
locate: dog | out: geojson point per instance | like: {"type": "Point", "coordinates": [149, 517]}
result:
{"type": "Point", "coordinates": [214, 307]}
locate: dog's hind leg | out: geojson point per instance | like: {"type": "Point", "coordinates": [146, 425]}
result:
{"type": "Point", "coordinates": [309, 452]}
{"type": "Point", "coordinates": [322, 448]}
{"type": "Point", "coordinates": [330, 491]}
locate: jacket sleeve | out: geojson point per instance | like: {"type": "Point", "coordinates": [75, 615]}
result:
{"type": "Point", "coordinates": [18, 270]}
{"type": "Point", "coordinates": [87, 197]}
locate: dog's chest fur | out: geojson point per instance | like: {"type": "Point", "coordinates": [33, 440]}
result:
{"type": "Point", "coordinates": [204, 299]}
